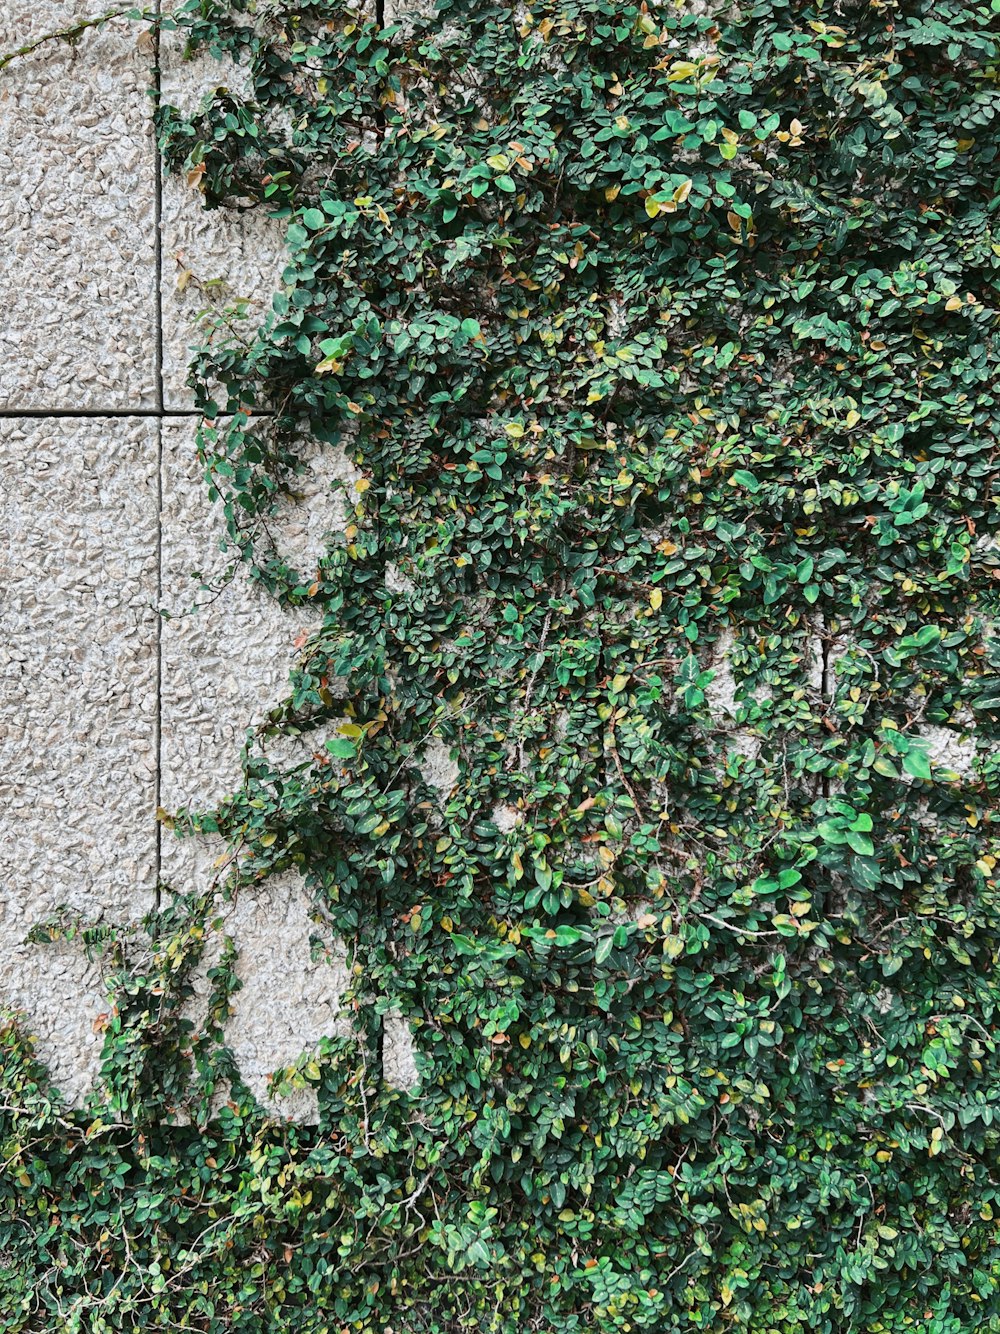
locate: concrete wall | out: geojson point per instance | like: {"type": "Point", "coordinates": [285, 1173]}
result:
{"type": "Point", "coordinates": [106, 710]}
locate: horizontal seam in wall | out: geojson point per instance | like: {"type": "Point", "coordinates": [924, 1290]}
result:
{"type": "Point", "coordinates": [12, 414]}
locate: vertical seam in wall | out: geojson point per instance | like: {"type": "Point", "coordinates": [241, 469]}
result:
{"type": "Point", "coordinates": [379, 899]}
{"type": "Point", "coordinates": [158, 353]}
{"type": "Point", "coordinates": [826, 682]}
{"type": "Point", "coordinates": [158, 674]}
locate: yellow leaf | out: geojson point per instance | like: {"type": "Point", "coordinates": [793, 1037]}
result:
{"type": "Point", "coordinates": [652, 206]}
{"type": "Point", "coordinates": [656, 599]}
{"type": "Point", "coordinates": [953, 303]}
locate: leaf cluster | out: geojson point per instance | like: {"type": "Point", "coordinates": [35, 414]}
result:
{"type": "Point", "coordinates": [664, 340]}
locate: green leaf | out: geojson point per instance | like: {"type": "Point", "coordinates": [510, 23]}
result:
{"type": "Point", "coordinates": [915, 761]}
{"type": "Point", "coordinates": [860, 843]}
{"type": "Point", "coordinates": [602, 950]}
{"type": "Point", "coordinates": [745, 479]}
{"type": "Point", "coordinates": [464, 944]}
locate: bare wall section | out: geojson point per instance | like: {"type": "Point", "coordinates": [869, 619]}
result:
{"type": "Point", "coordinates": [107, 708]}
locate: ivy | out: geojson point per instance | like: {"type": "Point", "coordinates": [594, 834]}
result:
{"type": "Point", "coordinates": [665, 344]}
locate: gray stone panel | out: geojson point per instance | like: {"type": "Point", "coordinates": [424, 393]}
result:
{"type": "Point", "coordinates": [214, 261]}
{"type": "Point", "coordinates": [77, 215]}
{"type": "Point", "coordinates": [225, 663]}
{"type": "Point", "coordinates": [288, 1000]}
{"type": "Point", "coordinates": [78, 585]}
{"type": "Point", "coordinates": [399, 1062]}
{"type": "Point", "coordinates": [212, 258]}
{"type": "Point", "coordinates": [87, 746]}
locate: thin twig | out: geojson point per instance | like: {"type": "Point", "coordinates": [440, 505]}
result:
{"type": "Point", "coordinates": [75, 31]}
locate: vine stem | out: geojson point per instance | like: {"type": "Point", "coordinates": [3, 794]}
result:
{"type": "Point", "coordinates": [75, 31]}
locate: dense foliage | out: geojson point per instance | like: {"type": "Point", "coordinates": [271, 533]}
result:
{"type": "Point", "coordinates": [665, 341]}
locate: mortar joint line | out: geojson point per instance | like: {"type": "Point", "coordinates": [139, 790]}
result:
{"type": "Point", "coordinates": [160, 404]}
{"type": "Point", "coordinates": [84, 414]}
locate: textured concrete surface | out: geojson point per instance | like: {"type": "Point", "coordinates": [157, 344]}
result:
{"type": "Point", "coordinates": [221, 263]}
{"type": "Point", "coordinates": [226, 662]}
{"type": "Point", "coordinates": [398, 11]}
{"type": "Point", "coordinates": [224, 666]}
{"type": "Point", "coordinates": [78, 578]}
{"type": "Point", "coordinates": [78, 211]}
{"type": "Point", "coordinates": [399, 1062]}
{"type": "Point", "coordinates": [439, 768]}
{"type": "Point", "coordinates": [292, 981]}
{"type": "Point", "coordinates": [214, 260]}
{"type": "Point", "coordinates": [953, 747]}
{"type": "Point", "coordinates": [83, 561]}
{"type": "Point", "coordinates": [106, 710]}
{"type": "Point", "coordinates": [288, 1000]}
{"type": "Point", "coordinates": [77, 215]}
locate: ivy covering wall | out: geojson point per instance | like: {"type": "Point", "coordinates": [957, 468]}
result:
{"type": "Point", "coordinates": [665, 340]}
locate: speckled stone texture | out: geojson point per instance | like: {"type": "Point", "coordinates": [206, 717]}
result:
{"type": "Point", "coordinates": [288, 1000]}
{"type": "Point", "coordinates": [105, 710]}
{"type": "Point", "coordinates": [226, 664]}
{"type": "Point", "coordinates": [214, 261]}
{"type": "Point", "coordinates": [77, 215]}
{"type": "Point", "coordinates": [399, 1062]}
{"type": "Point", "coordinates": [78, 580]}
{"type": "Point", "coordinates": [223, 667]}
{"type": "Point", "coordinates": [226, 654]}
{"type": "Point", "coordinates": [399, 11]}
{"type": "Point", "coordinates": [292, 978]}
{"type": "Point", "coordinates": [212, 258]}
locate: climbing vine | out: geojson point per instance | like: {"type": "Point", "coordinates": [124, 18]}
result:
{"type": "Point", "coordinates": [663, 338]}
